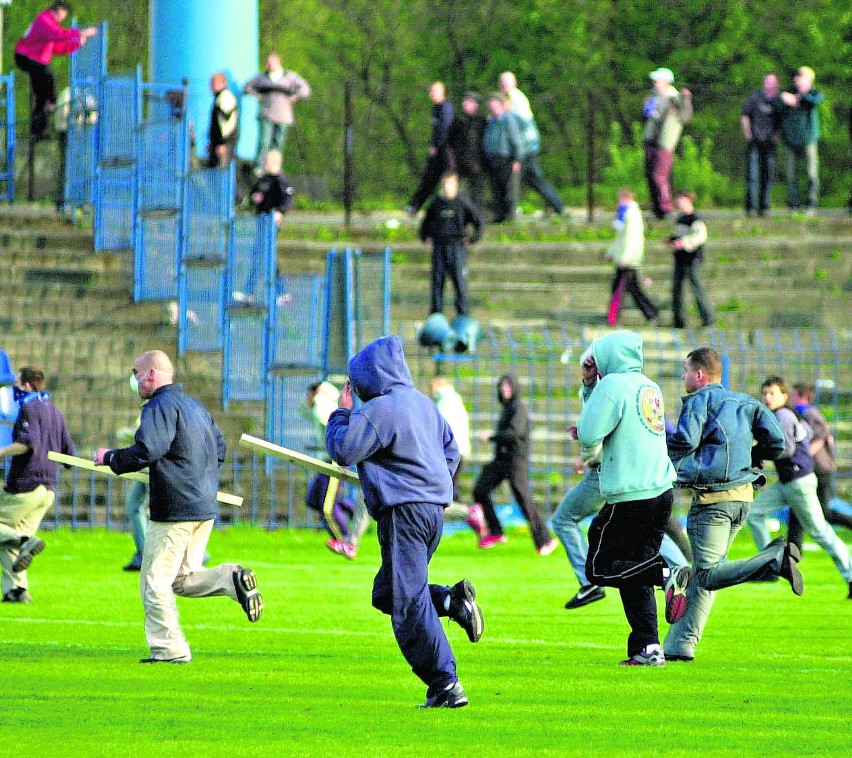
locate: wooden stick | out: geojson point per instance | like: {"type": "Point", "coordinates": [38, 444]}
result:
{"type": "Point", "coordinates": [137, 476]}
{"type": "Point", "coordinates": [300, 459]}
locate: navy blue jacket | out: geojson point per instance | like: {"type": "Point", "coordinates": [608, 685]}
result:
{"type": "Point", "coordinates": [179, 442]}
{"type": "Point", "coordinates": [403, 447]}
{"type": "Point", "coordinates": [712, 446]}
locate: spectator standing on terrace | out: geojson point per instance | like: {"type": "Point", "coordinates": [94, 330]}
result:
{"type": "Point", "coordinates": [224, 124]}
{"type": "Point", "coordinates": [271, 192]}
{"type": "Point", "coordinates": [511, 462]}
{"type": "Point", "coordinates": [796, 487]}
{"type": "Point", "coordinates": [467, 133]}
{"type": "Point", "coordinates": [627, 252]}
{"type": "Point", "coordinates": [666, 110]}
{"type": "Point", "coordinates": [45, 38]}
{"type": "Point", "coordinates": [531, 173]}
{"type": "Point", "coordinates": [504, 151]}
{"type": "Point", "coordinates": [438, 158]}
{"type": "Point", "coordinates": [447, 228]}
{"type": "Point", "coordinates": [760, 121]}
{"type": "Point", "coordinates": [278, 90]}
{"type": "Point", "coordinates": [31, 483]}
{"type": "Point", "coordinates": [182, 447]}
{"type": "Point", "coordinates": [800, 132]}
{"type": "Point", "coordinates": [687, 241]}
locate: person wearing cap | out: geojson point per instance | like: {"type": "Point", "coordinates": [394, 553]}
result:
{"type": "Point", "coordinates": [465, 139]}
{"type": "Point", "coordinates": [531, 174]}
{"type": "Point", "coordinates": [667, 110]}
{"type": "Point", "coordinates": [504, 149]}
{"type": "Point", "coordinates": [800, 134]}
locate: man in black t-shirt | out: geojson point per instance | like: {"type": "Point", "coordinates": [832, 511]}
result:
{"type": "Point", "coordinates": [760, 122]}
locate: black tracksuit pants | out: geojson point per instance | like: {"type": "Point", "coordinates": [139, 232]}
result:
{"type": "Point", "coordinates": [624, 552]}
{"type": "Point", "coordinates": [43, 87]}
{"type": "Point", "coordinates": [515, 470]}
{"type": "Point", "coordinates": [449, 260]}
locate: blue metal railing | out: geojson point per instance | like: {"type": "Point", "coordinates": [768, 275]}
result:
{"type": "Point", "coordinates": [7, 138]}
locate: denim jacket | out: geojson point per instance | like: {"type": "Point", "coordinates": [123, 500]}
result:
{"type": "Point", "coordinates": [722, 438]}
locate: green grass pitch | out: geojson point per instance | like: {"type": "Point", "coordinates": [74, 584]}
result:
{"type": "Point", "coordinates": [320, 673]}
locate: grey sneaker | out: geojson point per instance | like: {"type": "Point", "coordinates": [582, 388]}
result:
{"type": "Point", "coordinates": [465, 611]}
{"type": "Point", "coordinates": [245, 583]}
{"type": "Point", "coordinates": [30, 547]}
{"type": "Point", "coordinates": [454, 697]}
{"type": "Point", "coordinates": [790, 568]}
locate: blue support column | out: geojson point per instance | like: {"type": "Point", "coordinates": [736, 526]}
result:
{"type": "Point", "coordinates": [194, 39]}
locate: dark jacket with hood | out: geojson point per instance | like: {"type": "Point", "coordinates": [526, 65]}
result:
{"type": "Point", "coordinates": [511, 437]}
{"type": "Point", "coordinates": [404, 449]}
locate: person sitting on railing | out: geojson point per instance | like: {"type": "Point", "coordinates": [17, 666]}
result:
{"type": "Point", "coordinates": [45, 38]}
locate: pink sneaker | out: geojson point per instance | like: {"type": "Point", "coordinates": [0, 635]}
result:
{"type": "Point", "coordinates": [486, 543]}
{"type": "Point", "coordinates": [548, 547]}
{"type": "Point", "coordinates": [476, 521]}
{"type": "Point", "coordinates": [342, 548]}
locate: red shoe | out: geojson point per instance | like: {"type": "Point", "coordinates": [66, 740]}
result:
{"type": "Point", "coordinates": [486, 543]}
{"type": "Point", "coordinates": [548, 547]}
{"type": "Point", "coordinates": [476, 521]}
{"type": "Point", "coordinates": [675, 589]}
{"type": "Point", "coordinates": [342, 548]}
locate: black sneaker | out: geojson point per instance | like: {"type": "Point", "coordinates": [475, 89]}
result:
{"type": "Point", "coordinates": [132, 566]}
{"type": "Point", "coordinates": [29, 547]}
{"type": "Point", "coordinates": [454, 697]}
{"type": "Point", "coordinates": [17, 595]}
{"type": "Point", "coordinates": [790, 568]}
{"type": "Point", "coordinates": [180, 659]}
{"type": "Point", "coordinates": [588, 593]}
{"type": "Point", "coordinates": [465, 611]}
{"type": "Point", "coordinates": [677, 657]}
{"type": "Point", "coordinates": [245, 583]}
{"type": "Point", "coordinates": [849, 596]}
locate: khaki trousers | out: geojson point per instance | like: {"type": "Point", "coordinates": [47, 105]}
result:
{"type": "Point", "coordinates": [171, 565]}
{"type": "Point", "coordinates": [20, 516]}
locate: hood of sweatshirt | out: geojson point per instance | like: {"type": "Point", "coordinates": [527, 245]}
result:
{"type": "Point", "coordinates": [378, 368]}
{"type": "Point", "coordinates": [618, 353]}
{"type": "Point", "coordinates": [514, 383]}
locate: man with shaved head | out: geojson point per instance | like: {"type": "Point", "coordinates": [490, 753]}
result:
{"type": "Point", "coordinates": [224, 124]}
{"type": "Point", "coordinates": [182, 447]}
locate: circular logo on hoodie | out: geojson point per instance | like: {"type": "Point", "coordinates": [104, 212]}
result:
{"type": "Point", "coordinates": [651, 409]}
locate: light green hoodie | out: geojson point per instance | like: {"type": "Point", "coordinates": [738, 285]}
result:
{"type": "Point", "coordinates": [625, 412]}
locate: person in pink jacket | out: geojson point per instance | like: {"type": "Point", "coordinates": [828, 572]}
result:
{"type": "Point", "coordinates": [45, 38]}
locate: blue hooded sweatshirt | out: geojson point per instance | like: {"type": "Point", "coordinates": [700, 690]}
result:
{"type": "Point", "coordinates": [404, 449]}
{"type": "Point", "coordinates": [624, 412]}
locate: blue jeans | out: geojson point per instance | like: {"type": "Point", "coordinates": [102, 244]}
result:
{"type": "Point", "coordinates": [532, 175]}
{"type": "Point", "coordinates": [408, 536]}
{"type": "Point", "coordinates": [800, 495]}
{"type": "Point", "coordinates": [581, 501]}
{"type": "Point", "coordinates": [760, 172]}
{"type": "Point", "coordinates": [136, 513]}
{"type": "Point", "coordinates": [810, 155]}
{"type": "Point", "coordinates": [270, 136]}
{"type": "Point", "coordinates": [712, 529]}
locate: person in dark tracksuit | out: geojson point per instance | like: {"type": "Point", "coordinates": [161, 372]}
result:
{"type": "Point", "coordinates": [511, 461]}
{"type": "Point", "coordinates": [504, 149]}
{"type": "Point", "coordinates": [466, 137]}
{"type": "Point", "coordinates": [445, 227]}
{"type": "Point", "coordinates": [406, 454]}
{"type": "Point", "coordinates": [438, 160]}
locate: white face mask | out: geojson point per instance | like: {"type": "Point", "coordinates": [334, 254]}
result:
{"type": "Point", "coordinates": [134, 384]}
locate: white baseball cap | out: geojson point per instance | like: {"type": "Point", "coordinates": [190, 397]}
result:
{"type": "Point", "coordinates": [663, 73]}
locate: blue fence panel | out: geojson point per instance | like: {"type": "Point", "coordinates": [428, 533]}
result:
{"type": "Point", "coordinates": [82, 149]}
{"type": "Point", "coordinates": [251, 265]}
{"type": "Point", "coordinates": [157, 252]}
{"type": "Point", "coordinates": [162, 158]}
{"type": "Point", "coordinates": [7, 137]}
{"type": "Point", "coordinates": [244, 372]}
{"type": "Point", "coordinates": [120, 114]}
{"type": "Point", "coordinates": [115, 203]}
{"type": "Point", "coordinates": [89, 62]}
{"type": "Point", "coordinates": [297, 322]}
{"type": "Point", "coordinates": [286, 422]}
{"type": "Point", "coordinates": [202, 306]}
{"type": "Point", "coordinates": [371, 283]}
{"type": "Point", "coordinates": [339, 312]}
{"type": "Point", "coordinates": [208, 211]}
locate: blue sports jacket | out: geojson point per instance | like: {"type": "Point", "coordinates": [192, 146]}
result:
{"type": "Point", "coordinates": [721, 439]}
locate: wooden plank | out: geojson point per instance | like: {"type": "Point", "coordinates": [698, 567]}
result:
{"type": "Point", "coordinates": [137, 476]}
{"type": "Point", "coordinates": [300, 459]}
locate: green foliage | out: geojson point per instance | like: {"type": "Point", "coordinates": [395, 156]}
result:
{"type": "Point", "coordinates": [321, 674]}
